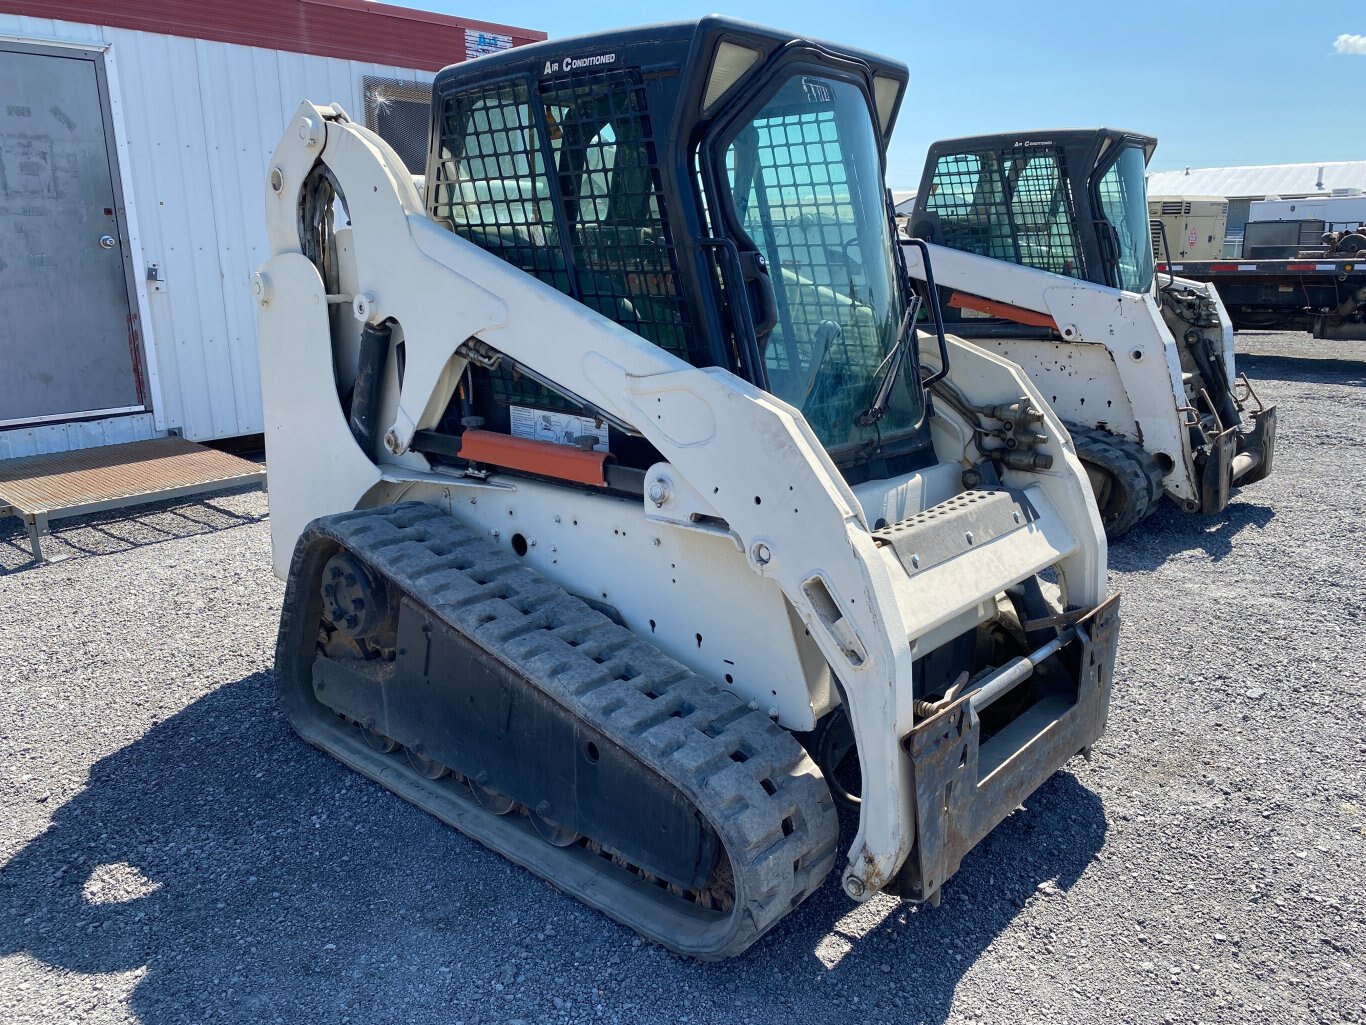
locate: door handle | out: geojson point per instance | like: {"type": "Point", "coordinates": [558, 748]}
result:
{"type": "Point", "coordinates": [106, 241]}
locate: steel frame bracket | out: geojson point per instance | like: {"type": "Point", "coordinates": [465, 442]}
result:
{"type": "Point", "coordinates": [962, 787]}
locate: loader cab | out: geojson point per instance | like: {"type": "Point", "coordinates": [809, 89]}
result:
{"type": "Point", "coordinates": [1071, 202]}
{"type": "Point", "coordinates": [714, 187]}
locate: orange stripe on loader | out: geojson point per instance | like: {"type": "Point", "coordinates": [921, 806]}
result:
{"type": "Point", "coordinates": [529, 456]}
{"type": "Point", "coordinates": [963, 301]}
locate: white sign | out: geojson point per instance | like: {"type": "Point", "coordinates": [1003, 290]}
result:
{"type": "Point", "coordinates": [557, 427]}
{"type": "Point", "coordinates": [479, 43]}
{"type": "Point", "coordinates": [1194, 238]}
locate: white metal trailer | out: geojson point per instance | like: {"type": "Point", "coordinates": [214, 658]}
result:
{"type": "Point", "coordinates": [130, 211]}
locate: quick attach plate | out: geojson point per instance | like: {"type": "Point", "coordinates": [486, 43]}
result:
{"type": "Point", "coordinates": [947, 530]}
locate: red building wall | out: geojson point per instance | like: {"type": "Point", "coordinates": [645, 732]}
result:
{"type": "Point", "coordinates": [350, 29]}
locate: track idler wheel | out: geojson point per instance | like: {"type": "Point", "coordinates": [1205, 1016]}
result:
{"type": "Point", "coordinates": [1126, 479]}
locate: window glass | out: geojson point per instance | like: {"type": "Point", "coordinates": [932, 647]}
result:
{"type": "Point", "coordinates": [1123, 197]}
{"type": "Point", "coordinates": [804, 178]}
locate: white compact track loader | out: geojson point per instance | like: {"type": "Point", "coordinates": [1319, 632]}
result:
{"type": "Point", "coordinates": [627, 535]}
{"type": "Point", "coordinates": [1042, 253]}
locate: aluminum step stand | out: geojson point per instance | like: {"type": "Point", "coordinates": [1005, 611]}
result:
{"type": "Point", "coordinates": [41, 488]}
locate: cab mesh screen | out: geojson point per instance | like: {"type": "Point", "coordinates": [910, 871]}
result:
{"type": "Point", "coordinates": [1015, 206]}
{"type": "Point", "coordinates": [593, 224]}
{"type": "Point", "coordinates": [491, 189]}
{"type": "Point", "coordinates": [624, 262]}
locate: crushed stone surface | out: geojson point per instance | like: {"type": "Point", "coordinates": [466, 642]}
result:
{"type": "Point", "coordinates": [171, 852]}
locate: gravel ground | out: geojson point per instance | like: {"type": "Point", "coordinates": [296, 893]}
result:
{"type": "Point", "coordinates": [170, 852]}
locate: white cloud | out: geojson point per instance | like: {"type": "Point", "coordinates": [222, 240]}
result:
{"type": "Point", "coordinates": [1349, 44]}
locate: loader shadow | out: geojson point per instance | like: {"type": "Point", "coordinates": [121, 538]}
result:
{"type": "Point", "coordinates": [255, 877]}
{"type": "Point", "coordinates": [1317, 370]}
{"type": "Point", "coordinates": [907, 966]}
{"type": "Point", "coordinates": [1169, 531]}
{"type": "Point", "coordinates": [235, 876]}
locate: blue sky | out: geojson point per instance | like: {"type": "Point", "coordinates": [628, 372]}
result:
{"type": "Point", "coordinates": [1256, 82]}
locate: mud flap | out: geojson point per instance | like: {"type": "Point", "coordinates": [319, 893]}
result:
{"type": "Point", "coordinates": [963, 787]}
{"type": "Point", "coordinates": [1216, 477]}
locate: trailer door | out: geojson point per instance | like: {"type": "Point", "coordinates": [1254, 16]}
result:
{"type": "Point", "coordinates": [70, 348]}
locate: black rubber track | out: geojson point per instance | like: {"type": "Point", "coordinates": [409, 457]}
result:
{"type": "Point", "coordinates": [1135, 475]}
{"type": "Point", "coordinates": [771, 808]}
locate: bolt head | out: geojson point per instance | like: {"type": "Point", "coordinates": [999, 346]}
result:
{"type": "Point", "coordinates": [391, 442]}
{"type": "Point", "coordinates": [763, 555]}
{"type": "Point", "coordinates": [854, 886]}
{"type": "Point", "coordinates": [915, 561]}
{"type": "Point", "coordinates": [969, 537]}
{"type": "Point", "coordinates": [659, 491]}
{"type": "Point", "coordinates": [363, 306]}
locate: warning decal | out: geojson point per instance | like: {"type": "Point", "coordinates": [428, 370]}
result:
{"type": "Point", "coordinates": [556, 426]}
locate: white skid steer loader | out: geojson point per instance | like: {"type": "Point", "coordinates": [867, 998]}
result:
{"type": "Point", "coordinates": [1042, 253]}
{"type": "Point", "coordinates": [615, 539]}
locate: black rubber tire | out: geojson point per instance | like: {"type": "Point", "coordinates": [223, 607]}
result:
{"type": "Point", "coordinates": [1353, 245]}
{"type": "Point", "coordinates": [1134, 474]}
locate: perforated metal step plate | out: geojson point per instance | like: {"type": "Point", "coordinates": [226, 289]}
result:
{"type": "Point", "coordinates": [949, 529]}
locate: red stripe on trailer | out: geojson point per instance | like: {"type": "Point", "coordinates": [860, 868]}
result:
{"type": "Point", "coordinates": [1223, 266]}
{"type": "Point", "coordinates": [1300, 266]}
{"type": "Point", "coordinates": [356, 30]}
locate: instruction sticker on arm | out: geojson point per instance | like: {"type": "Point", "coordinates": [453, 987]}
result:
{"type": "Point", "coordinates": [556, 426]}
